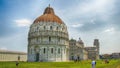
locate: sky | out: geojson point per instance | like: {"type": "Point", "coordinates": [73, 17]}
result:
{"type": "Point", "coordinates": [85, 19]}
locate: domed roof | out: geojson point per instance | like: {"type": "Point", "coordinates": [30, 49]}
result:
{"type": "Point", "coordinates": [80, 41]}
{"type": "Point", "coordinates": [48, 16]}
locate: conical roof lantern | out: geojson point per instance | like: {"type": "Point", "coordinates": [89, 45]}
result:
{"type": "Point", "coordinates": [48, 16]}
{"type": "Point", "coordinates": [49, 10]}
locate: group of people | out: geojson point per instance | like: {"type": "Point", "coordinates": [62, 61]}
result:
{"type": "Point", "coordinates": [93, 63]}
{"type": "Point", "coordinates": [76, 60]}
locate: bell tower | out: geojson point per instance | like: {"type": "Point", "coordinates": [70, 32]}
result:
{"type": "Point", "coordinates": [96, 44]}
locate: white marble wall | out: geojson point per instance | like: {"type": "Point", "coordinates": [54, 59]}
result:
{"type": "Point", "coordinates": [48, 56]}
{"type": "Point", "coordinates": [48, 35]}
{"type": "Point", "coordinates": [12, 57]}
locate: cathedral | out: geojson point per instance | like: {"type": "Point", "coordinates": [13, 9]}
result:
{"type": "Point", "coordinates": [48, 40]}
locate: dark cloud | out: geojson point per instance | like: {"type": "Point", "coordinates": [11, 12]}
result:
{"type": "Point", "coordinates": [110, 17]}
{"type": "Point", "coordinates": [115, 18]}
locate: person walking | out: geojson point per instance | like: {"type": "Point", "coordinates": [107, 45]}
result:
{"type": "Point", "coordinates": [93, 64]}
{"type": "Point", "coordinates": [17, 63]}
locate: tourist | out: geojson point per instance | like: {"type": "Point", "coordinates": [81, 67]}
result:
{"type": "Point", "coordinates": [75, 59]}
{"type": "Point", "coordinates": [17, 63]}
{"type": "Point", "coordinates": [93, 64]}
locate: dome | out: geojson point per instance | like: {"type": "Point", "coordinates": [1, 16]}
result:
{"type": "Point", "coordinates": [49, 16]}
{"type": "Point", "coordinates": [80, 41]}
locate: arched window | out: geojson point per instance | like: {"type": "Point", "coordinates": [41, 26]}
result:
{"type": "Point", "coordinates": [62, 28]}
{"type": "Point", "coordinates": [57, 28]}
{"type": "Point", "coordinates": [52, 50]}
{"type": "Point", "coordinates": [49, 39]}
{"type": "Point", "coordinates": [44, 27]}
{"type": "Point", "coordinates": [37, 28]}
{"type": "Point", "coordinates": [51, 28]}
{"type": "Point", "coordinates": [72, 57]}
{"type": "Point", "coordinates": [58, 50]}
{"type": "Point", "coordinates": [44, 50]}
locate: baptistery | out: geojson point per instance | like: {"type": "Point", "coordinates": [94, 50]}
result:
{"type": "Point", "coordinates": [48, 38]}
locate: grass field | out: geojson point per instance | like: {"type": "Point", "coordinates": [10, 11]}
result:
{"type": "Point", "coordinates": [82, 64]}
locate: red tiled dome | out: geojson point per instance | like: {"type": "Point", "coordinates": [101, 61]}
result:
{"type": "Point", "coordinates": [48, 16]}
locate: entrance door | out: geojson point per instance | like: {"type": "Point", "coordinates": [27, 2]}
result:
{"type": "Point", "coordinates": [72, 58]}
{"type": "Point", "coordinates": [37, 56]}
{"type": "Point", "coordinates": [78, 58]}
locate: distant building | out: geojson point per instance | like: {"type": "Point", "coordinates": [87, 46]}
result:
{"type": "Point", "coordinates": [76, 49]}
{"type": "Point", "coordinates": [93, 52]}
{"type": "Point", "coordinates": [12, 56]}
{"type": "Point", "coordinates": [106, 56]}
{"type": "Point", "coordinates": [116, 55]}
{"type": "Point", "coordinates": [85, 54]}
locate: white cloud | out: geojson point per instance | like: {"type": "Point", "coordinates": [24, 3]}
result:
{"type": "Point", "coordinates": [3, 48]}
{"type": "Point", "coordinates": [92, 21]}
{"type": "Point", "coordinates": [110, 30]}
{"type": "Point", "coordinates": [91, 9]}
{"type": "Point", "coordinates": [96, 6]}
{"type": "Point", "coordinates": [23, 22]}
{"type": "Point", "coordinates": [77, 25]}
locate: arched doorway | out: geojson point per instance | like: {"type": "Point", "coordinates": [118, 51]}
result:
{"type": "Point", "coordinates": [72, 58]}
{"type": "Point", "coordinates": [37, 56]}
{"type": "Point", "coordinates": [78, 58]}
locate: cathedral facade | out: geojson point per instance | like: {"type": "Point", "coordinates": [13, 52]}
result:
{"type": "Point", "coordinates": [48, 40]}
{"type": "Point", "coordinates": [76, 50]}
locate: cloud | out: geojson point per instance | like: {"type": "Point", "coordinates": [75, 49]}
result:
{"type": "Point", "coordinates": [23, 22]}
{"type": "Point", "coordinates": [3, 48]}
{"type": "Point", "coordinates": [93, 14]}
{"type": "Point", "coordinates": [92, 7]}
{"type": "Point", "coordinates": [77, 25]}
{"type": "Point", "coordinates": [110, 30]}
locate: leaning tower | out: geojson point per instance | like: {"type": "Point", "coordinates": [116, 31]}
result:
{"type": "Point", "coordinates": [97, 44]}
{"type": "Point", "coordinates": [48, 38]}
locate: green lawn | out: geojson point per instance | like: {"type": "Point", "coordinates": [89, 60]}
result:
{"type": "Point", "coordinates": [82, 64]}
